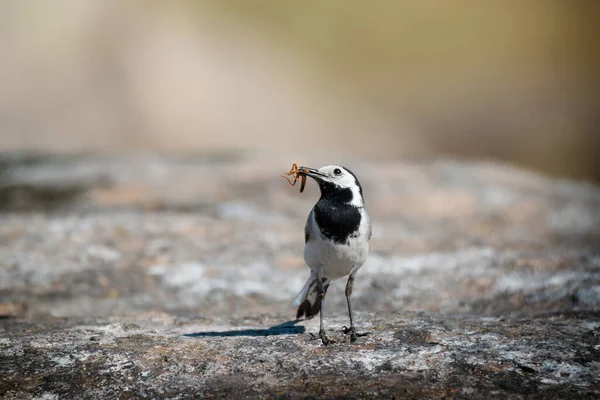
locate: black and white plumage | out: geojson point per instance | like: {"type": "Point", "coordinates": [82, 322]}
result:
{"type": "Point", "coordinates": [337, 236]}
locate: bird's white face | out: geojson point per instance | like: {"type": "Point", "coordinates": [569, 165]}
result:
{"type": "Point", "coordinates": [340, 178]}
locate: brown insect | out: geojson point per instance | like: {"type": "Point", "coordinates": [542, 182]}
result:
{"type": "Point", "coordinates": [294, 175]}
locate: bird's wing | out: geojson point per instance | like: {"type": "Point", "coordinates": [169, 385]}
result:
{"type": "Point", "coordinates": [308, 228]}
{"type": "Point", "coordinates": [369, 226]}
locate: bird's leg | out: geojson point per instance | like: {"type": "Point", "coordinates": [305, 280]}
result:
{"type": "Point", "coordinates": [321, 290]}
{"type": "Point", "coordinates": [351, 330]}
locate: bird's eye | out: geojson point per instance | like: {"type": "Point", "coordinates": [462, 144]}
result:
{"type": "Point", "coordinates": [337, 171]}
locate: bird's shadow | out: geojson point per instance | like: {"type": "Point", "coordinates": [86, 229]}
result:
{"type": "Point", "coordinates": [285, 328]}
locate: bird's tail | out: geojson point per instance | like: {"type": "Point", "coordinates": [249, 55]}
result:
{"type": "Point", "coordinates": [308, 301]}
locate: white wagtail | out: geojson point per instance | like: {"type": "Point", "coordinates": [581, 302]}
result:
{"type": "Point", "coordinates": [336, 239]}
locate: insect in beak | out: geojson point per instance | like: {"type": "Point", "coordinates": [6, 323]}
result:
{"type": "Point", "coordinates": [294, 175]}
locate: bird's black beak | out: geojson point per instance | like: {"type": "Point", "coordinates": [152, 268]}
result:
{"type": "Point", "coordinates": [312, 172]}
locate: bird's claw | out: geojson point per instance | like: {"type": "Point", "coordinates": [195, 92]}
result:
{"type": "Point", "coordinates": [352, 332]}
{"type": "Point", "coordinates": [324, 339]}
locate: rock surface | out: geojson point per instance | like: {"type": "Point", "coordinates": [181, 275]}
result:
{"type": "Point", "coordinates": [173, 277]}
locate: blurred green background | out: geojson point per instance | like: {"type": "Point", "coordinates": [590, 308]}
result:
{"type": "Point", "coordinates": [515, 81]}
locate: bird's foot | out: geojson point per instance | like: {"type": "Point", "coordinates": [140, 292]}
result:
{"type": "Point", "coordinates": [326, 341]}
{"type": "Point", "coordinates": [352, 332]}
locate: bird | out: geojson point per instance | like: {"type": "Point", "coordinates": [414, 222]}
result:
{"type": "Point", "coordinates": [336, 237]}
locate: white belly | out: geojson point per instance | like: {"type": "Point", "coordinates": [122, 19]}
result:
{"type": "Point", "coordinates": [336, 260]}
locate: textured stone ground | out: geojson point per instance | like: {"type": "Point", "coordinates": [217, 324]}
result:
{"type": "Point", "coordinates": [147, 276]}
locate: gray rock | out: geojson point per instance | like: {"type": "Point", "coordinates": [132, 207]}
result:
{"type": "Point", "coordinates": [173, 277]}
{"type": "Point", "coordinates": [407, 354]}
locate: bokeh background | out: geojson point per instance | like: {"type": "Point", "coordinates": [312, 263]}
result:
{"type": "Point", "coordinates": [515, 81]}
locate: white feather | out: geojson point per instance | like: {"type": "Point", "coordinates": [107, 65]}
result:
{"type": "Point", "coordinates": [304, 292]}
